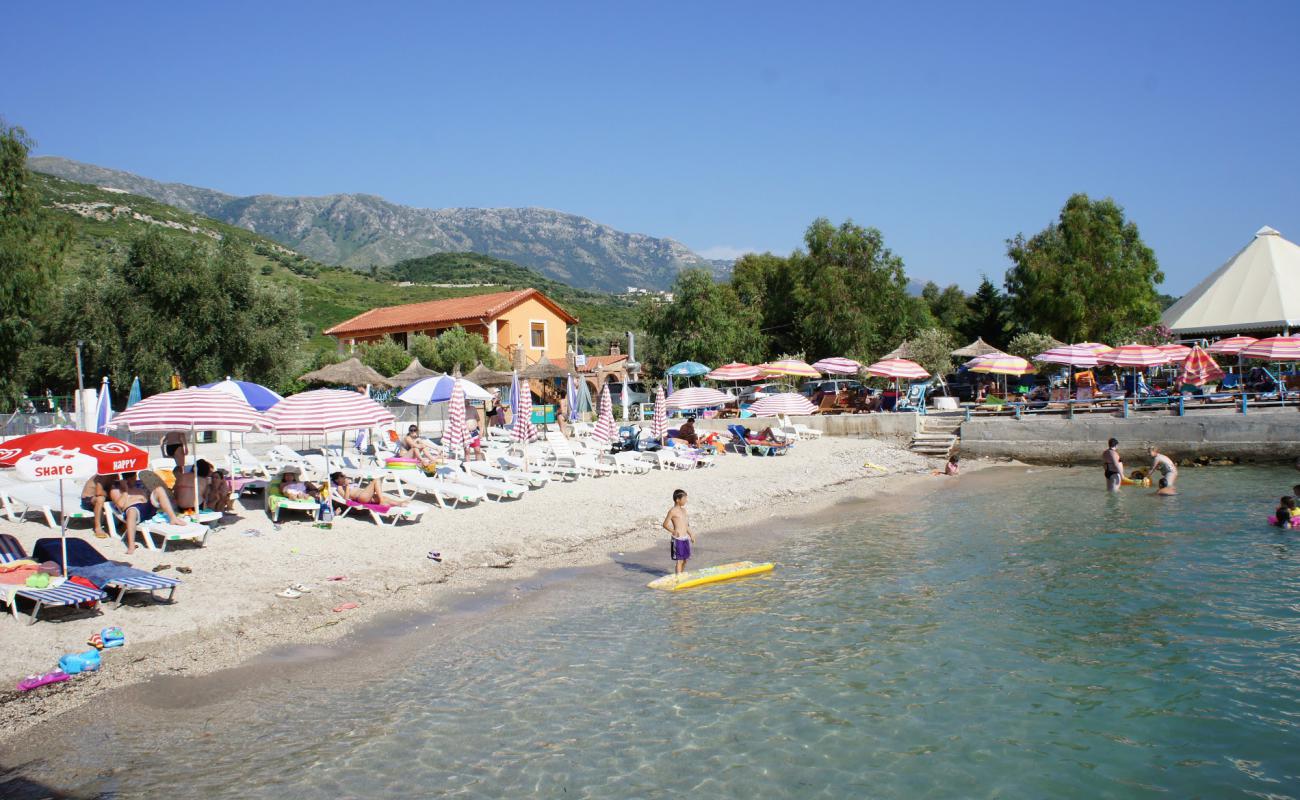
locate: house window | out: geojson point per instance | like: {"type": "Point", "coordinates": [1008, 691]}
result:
{"type": "Point", "coordinates": [538, 330]}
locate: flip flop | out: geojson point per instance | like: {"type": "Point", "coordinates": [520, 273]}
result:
{"type": "Point", "coordinates": [37, 681]}
{"type": "Point", "coordinates": [337, 578]}
{"type": "Point", "coordinates": [162, 567]}
{"type": "Point", "coordinates": [301, 588]}
{"type": "Point", "coordinates": [184, 570]}
{"type": "Point", "coordinates": [347, 606]}
{"type": "Point", "coordinates": [101, 536]}
{"type": "Point", "coordinates": [290, 594]}
{"type": "Point", "coordinates": [434, 555]}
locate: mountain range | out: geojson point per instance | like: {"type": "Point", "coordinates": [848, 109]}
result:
{"type": "Point", "coordinates": [360, 230]}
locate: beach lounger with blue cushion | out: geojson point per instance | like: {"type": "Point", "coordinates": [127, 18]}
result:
{"type": "Point", "coordinates": [195, 533]}
{"type": "Point", "coordinates": [89, 563]}
{"type": "Point", "coordinates": [64, 594]}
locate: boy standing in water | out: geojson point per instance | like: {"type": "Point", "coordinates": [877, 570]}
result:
{"type": "Point", "coordinates": [682, 536]}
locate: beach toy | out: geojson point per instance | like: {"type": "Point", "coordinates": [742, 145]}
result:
{"type": "Point", "coordinates": [96, 641]}
{"type": "Point", "coordinates": [37, 681]}
{"type": "Point", "coordinates": [74, 663]}
{"type": "Point", "coordinates": [38, 580]}
{"type": "Point", "coordinates": [701, 577]}
{"type": "Point", "coordinates": [402, 463]}
{"type": "Point", "coordinates": [1272, 520]}
{"type": "Point", "coordinates": [346, 606]}
{"type": "Point", "coordinates": [113, 637]}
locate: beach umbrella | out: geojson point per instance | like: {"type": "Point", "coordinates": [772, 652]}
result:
{"type": "Point", "coordinates": [1134, 355]}
{"type": "Point", "coordinates": [320, 412]}
{"type": "Point", "coordinates": [1231, 346]}
{"type": "Point", "coordinates": [897, 368]}
{"type": "Point", "coordinates": [1199, 368]}
{"type": "Point", "coordinates": [514, 395]}
{"type": "Point", "coordinates": [411, 373]}
{"type": "Point", "coordinates": [1274, 348]}
{"type": "Point", "coordinates": [135, 395]}
{"type": "Point", "coordinates": [1096, 347]}
{"type": "Point", "coordinates": [192, 409]}
{"type": "Point", "coordinates": [790, 367]}
{"type": "Point", "coordinates": [837, 366]}
{"type": "Point", "coordinates": [69, 455]}
{"type": "Point", "coordinates": [571, 394]}
{"type": "Point", "coordinates": [604, 432]}
{"type": "Point", "coordinates": [1072, 355]}
{"type": "Point", "coordinates": [256, 395]}
{"type": "Point", "coordinates": [698, 397]}
{"type": "Point", "coordinates": [522, 428]}
{"type": "Point", "coordinates": [659, 423]}
{"type": "Point", "coordinates": [483, 376]}
{"type": "Point", "coordinates": [669, 378]}
{"type": "Point", "coordinates": [456, 436]}
{"type": "Point", "coordinates": [688, 369]}
{"type": "Point", "coordinates": [624, 397]}
{"type": "Point", "coordinates": [733, 372]}
{"type": "Point", "coordinates": [103, 409]}
{"type": "Point", "coordinates": [1176, 352]}
{"type": "Point", "coordinates": [439, 389]}
{"type": "Point", "coordinates": [1000, 364]}
{"type": "Point", "coordinates": [784, 403]}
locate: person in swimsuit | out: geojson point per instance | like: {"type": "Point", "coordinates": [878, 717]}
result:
{"type": "Point", "coordinates": [213, 490]}
{"type": "Point", "coordinates": [679, 548]}
{"type": "Point", "coordinates": [173, 447]}
{"type": "Point", "coordinates": [415, 447]}
{"type": "Point", "coordinates": [1165, 489]}
{"type": "Point", "coordinates": [1113, 465]}
{"type": "Point", "coordinates": [93, 496]}
{"type": "Point", "coordinates": [1163, 463]}
{"type": "Point", "coordinates": [1285, 511]}
{"type": "Point", "coordinates": [138, 505]}
{"type": "Point", "coordinates": [362, 494]}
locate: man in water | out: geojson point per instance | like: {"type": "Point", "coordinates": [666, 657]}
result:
{"type": "Point", "coordinates": [1162, 462]}
{"type": "Point", "coordinates": [683, 537]}
{"type": "Point", "coordinates": [1113, 465]}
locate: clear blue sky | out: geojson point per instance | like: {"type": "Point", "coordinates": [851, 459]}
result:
{"type": "Point", "coordinates": [728, 126]}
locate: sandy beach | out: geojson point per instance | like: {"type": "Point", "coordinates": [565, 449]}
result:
{"type": "Point", "coordinates": [227, 611]}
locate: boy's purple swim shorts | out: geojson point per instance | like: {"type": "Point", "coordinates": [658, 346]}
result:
{"type": "Point", "coordinates": [680, 549]}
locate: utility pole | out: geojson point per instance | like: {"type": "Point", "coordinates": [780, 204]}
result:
{"type": "Point", "coordinates": [80, 384]}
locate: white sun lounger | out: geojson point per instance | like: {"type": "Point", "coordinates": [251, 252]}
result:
{"type": "Point", "coordinates": [195, 533]}
{"type": "Point", "coordinates": [409, 482]}
{"type": "Point", "coordinates": [630, 463]}
{"type": "Point", "coordinates": [534, 480]}
{"type": "Point", "coordinates": [501, 490]}
{"type": "Point", "coordinates": [389, 517]}
{"type": "Point", "coordinates": [797, 430]}
{"type": "Point", "coordinates": [664, 458]}
{"type": "Point", "coordinates": [17, 500]}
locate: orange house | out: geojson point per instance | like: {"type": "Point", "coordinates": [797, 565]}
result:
{"type": "Point", "coordinates": [525, 319]}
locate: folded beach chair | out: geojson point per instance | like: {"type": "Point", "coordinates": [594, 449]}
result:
{"type": "Point", "coordinates": [381, 514]}
{"type": "Point", "coordinates": [60, 593]}
{"type": "Point", "coordinates": [195, 532]}
{"type": "Point", "coordinates": [84, 560]}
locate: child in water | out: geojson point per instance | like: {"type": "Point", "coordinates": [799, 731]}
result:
{"type": "Point", "coordinates": [679, 548]}
{"type": "Point", "coordinates": [1285, 511]}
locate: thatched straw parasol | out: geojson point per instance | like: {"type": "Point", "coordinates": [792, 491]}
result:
{"type": "Point", "coordinates": [347, 373]}
{"type": "Point", "coordinates": [544, 370]}
{"type": "Point", "coordinates": [413, 372]}
{"type": "Point", "coordinates": [483, 376]}
{"type": "Point", "coordinates": [977, 348]}
{"type": "Point", "coordinates": [898, 352]}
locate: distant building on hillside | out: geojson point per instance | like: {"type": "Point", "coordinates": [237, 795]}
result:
{"type": "Point", "coordinates": [525, 320]}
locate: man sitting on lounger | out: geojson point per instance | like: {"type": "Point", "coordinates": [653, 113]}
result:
{"type": "Point", "coordinates": [362, 494]}
{"type": "Point", "coordinates": [415, 447]}
{"type": "Point", "coordinates": [93, 496]}
{"type": "Point", "coordinates": [138, 504]}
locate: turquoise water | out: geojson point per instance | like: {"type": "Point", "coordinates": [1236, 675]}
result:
{"type": "Point", "coordinates": [1008, 635]}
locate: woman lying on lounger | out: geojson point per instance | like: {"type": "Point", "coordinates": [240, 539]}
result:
{"type": "Point", "coordinates": [138, 504]}
{"type": "Point", "coordinates": [362, 494]}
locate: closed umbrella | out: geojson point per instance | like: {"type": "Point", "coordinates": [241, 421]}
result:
{"type": "Point", "coordinates": [256, 395]}
{"type": "Point", "coordinates": [698, 397]}
{"type": "Point", "coordinates": [785, 403]}
{"type": "Point", "coordinates": [837, 366]}
{"type": "Point", "coordinates": [659, 423]}
{"type": "Point", "coordinates": [135, 395]}
{"type": "Point", "coordinates": [456, 437]}
{"type": "Point", "coordinates": [669, 379]}
{"type": "Point", "coordinates": [604, 432]}
{"type": "Point", "coordinates": [571, 394]}
{"type": "Point", "coordinates": [1199, 368]}
{"type": "Point", "coordinates": [103, 409]}
{"type": "Point", "coordinates": [522, 428]}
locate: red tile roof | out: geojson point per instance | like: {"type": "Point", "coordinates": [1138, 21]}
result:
{"type": "Point", "coordinates": [593, 362]}
{"type": "Point", "coordinates": [442, 313]}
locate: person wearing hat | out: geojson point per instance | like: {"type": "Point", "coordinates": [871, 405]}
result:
{"type": "Point", "coordinates": [292, 487]}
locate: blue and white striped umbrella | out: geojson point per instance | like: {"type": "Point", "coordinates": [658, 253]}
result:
{"type": "Point", "coordinates": [256, 395]}
{"type": "Point", "coordinates": [103, 409]}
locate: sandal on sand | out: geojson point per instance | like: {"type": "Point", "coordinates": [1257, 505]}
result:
{"type": "Point", "coordinates": [291, 594]}
{"type": "Point", "coordinates": [301, 588]}
{"type": "Point", "coordinates": [184, 570]}
{"type": "Point", "coordinates": [434, 555]}
{"type": "Point", "coordinates": [101, 535]}
{"type": "Point", "coordinates": [337, 578]}
{"type": "Point", "coordinates": [347, 606]}
{"type": "Point", "coordinates": [162, 567]}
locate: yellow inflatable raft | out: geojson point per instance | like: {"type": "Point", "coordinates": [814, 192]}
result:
{"type": "Point", "coordinates": [700, 577]}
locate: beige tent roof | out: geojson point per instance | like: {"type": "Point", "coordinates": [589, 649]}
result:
{"type": "Point", "coordinates": [1257, 290]}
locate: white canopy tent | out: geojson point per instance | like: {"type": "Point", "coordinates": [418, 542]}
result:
{"type": "Point", "coordinates": [1257, 290]}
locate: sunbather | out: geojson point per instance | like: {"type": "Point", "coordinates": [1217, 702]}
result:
{"type": "Point", "coordinates": [213, 489]}
{"type": "Point", "coordinates": [687, 432]}
{"type": "Point", "coordinates": [294, 488]}
{"type": "Point", "coordinates": [138, 504]}
{"type": "Point", "coordinates": [93, 496]}
{"type": "Point", "coordinates": [413, 446]}
{"type": "Point", "coordinates": [363, 494]}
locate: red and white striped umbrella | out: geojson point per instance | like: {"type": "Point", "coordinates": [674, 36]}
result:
{"type": "Point", "coordinates": [837, 366]}
{"type": "Point", "coordinates": [1199, 368]}
{"type": "Point", "coordinates": [1070, 355]}
{"type": "Point", "coordinates": [792, 367]}
{"type": "Point", "coordinates": [1000, 364]}
{"type": "Point", "coordinates": [735, 371]}
{"type": "Point", "coordinates": [1231, 346]}
{"type": "Point", "coordinates": [523, 429]}
{"type": "Point", "coordinates": [900, 368]}
{"type": "Point", "coordinates": [1176, 352]}
{"type": "Point", "coordinates": [698, 397]}
{"type": "Point", "coordinates": [659, 422]}
{"type": "Point", "coordinates": [456, 436]}
{"type": "Point", "coordinates": [1274, 348]}
{"type": "Point", "coordinates": [1134, 355]}
{"type": "Point", "coordinates": [784, 403]}
{"type": "Point", "coordinates": [192, 408]}
{"type": "Point", "coordinates": [323, 411]}
{"type": "Point", "coordinates": [1095, 347]}
{"type": "Point", "coordinates": [604, 432]}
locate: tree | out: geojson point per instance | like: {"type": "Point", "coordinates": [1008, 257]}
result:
{"type": "Point", "coordinates": [1028, 345]}
{"type": "Point", "coordinates": [454, 348]}
{"type": "Point", "coordinates": [32, 246]}
{"type": "Point", "coordinates": [384, 356]}
{"type": "Point", "coordinates": [988, 315]}
{"type": "Point", "coordinates": [852, 293]}
{"type": "Point", "coordinates": [949, 306]}
{"type": "Point", "coordinates": [705, 322]}
{"type": "Point", "coordinates": [766, 284]}
{"type": "Point", "coordinates": [932, 348]}
{"type": "Point", "coordinates": [1084, 277]}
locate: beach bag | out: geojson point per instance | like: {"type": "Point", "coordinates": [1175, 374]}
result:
{"type": "Point", "coordinates": [89, 584]}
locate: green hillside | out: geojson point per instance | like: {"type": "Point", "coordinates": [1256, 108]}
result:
{"type": "Point", "coordinates": [105, 221]}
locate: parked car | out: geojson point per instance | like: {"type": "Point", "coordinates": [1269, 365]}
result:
{"type": "Point", "coordinates": [636, 393]}
{"type": "Point", "coordinates": [757, 391]}
{"type": "Point", "coordinates": [831, 386]}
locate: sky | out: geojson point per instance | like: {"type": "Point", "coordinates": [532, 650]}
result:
{"type": "Point", "coordinates": [727, 126]}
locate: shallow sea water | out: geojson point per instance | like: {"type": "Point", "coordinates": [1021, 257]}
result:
{"type": "Point", "coordinates": [1018, 636]}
